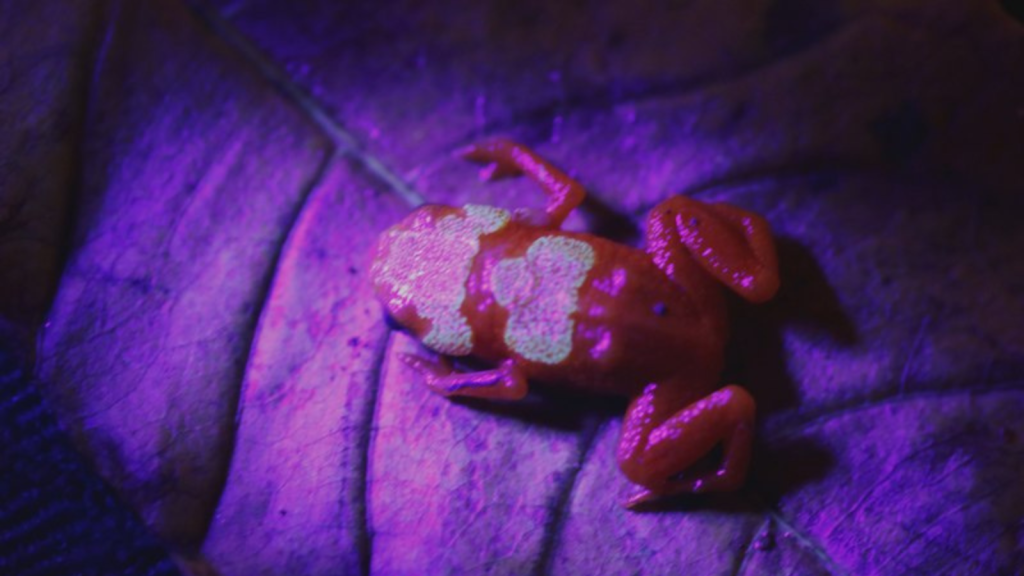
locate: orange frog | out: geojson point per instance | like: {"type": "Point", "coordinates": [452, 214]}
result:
{"type": "Point", "coordinates": [577, 310]}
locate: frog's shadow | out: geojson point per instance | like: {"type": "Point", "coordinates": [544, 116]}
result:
{"type": "Point", "coordinates": [805, 303]}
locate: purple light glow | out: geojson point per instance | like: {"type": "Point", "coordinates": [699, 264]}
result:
{"type": "Point", "coordinates": [612, 284]}
{"type": "Point", "coordinates": [214, 347]}
{"type": "Point", "coordinates": [603, 343]}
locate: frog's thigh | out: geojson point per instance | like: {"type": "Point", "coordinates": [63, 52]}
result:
{"type": "Point", "coordinates": [506, 382]}
{"type": "Point", "coordinates": [655, 452]}
{"type": "Point", "coordinates": [733, 245]}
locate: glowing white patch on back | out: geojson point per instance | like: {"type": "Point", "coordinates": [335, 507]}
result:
{"type": "Point", "coordinates": [486, 218]}
{"type": "Point", "coordinates": [427, 266]}
{"type": "Point", "coordinates": [540, 291]}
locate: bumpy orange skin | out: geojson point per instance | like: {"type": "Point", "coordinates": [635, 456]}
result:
{"type": "Point", "coordinates": [581, 311]}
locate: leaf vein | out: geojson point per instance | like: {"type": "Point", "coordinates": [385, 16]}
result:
{"type": "Point", "coordinates": [809, 420]}
{"type": "Point", "coordinates": [807, 543]}
{"type": "Point", "coordinates": [563, 500]}
{"type": "Point", "coordinates": [347, 144]}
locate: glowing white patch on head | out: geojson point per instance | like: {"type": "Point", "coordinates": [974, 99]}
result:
{"type": "Point", "coordinates": [427, 266]}
{"type": "Point", "coordinates": [540, 291]}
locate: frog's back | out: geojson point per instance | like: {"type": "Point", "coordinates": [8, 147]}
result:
{"type": "Point", "coordinates": [580, 310]}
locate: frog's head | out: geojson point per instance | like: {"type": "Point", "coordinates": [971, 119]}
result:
{"type": "Point", "coordinates": [402, 261]}
{"type": "Point", "coordinates": [420, 267]}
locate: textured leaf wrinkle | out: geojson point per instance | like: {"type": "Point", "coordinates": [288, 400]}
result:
{"type": "Point", "coordinates": [560, 508]}
{"type": "Point", "coordinates": [804, 421]}
{"type": "Point", "coordinates": [346, 143]}
{"type": "Point", "coordinates": [345, 146]}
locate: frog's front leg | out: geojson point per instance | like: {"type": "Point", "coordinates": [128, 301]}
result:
{"type": "Point", "coordinates": [663, 435]}
{"type": "Point", "coordinates": [505, 158]}
{"type": "Point", "coordinates": [506, 382]}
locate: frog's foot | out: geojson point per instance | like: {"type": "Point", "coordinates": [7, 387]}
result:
{"type": "Point", "coordinates": [655, 451]}
{"type": "Point", "coordinates": [496, 157]}
{"type": "Point", "coordinates": [733, 245]}
{"type": "Point", "coordinates": [504, 158]}
{"type": "Point", "coordinates": [506, 382]}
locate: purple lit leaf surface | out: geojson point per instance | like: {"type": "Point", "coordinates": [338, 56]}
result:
{"type": "Point", "coordinates": [188, 191]}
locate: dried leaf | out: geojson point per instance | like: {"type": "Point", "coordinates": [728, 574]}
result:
{"type": "Point", "coordinates": [215, 352]}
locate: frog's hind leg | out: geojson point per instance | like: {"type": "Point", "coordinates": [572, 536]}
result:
{"type": "Point", "coordinates": [660, 441]}
{"type": "Point", "coordinates": [506, 382]}
{"type": "Point", "coordinates": [731, 244]}
{"type": "Point", "coordinates": [505, 158]}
